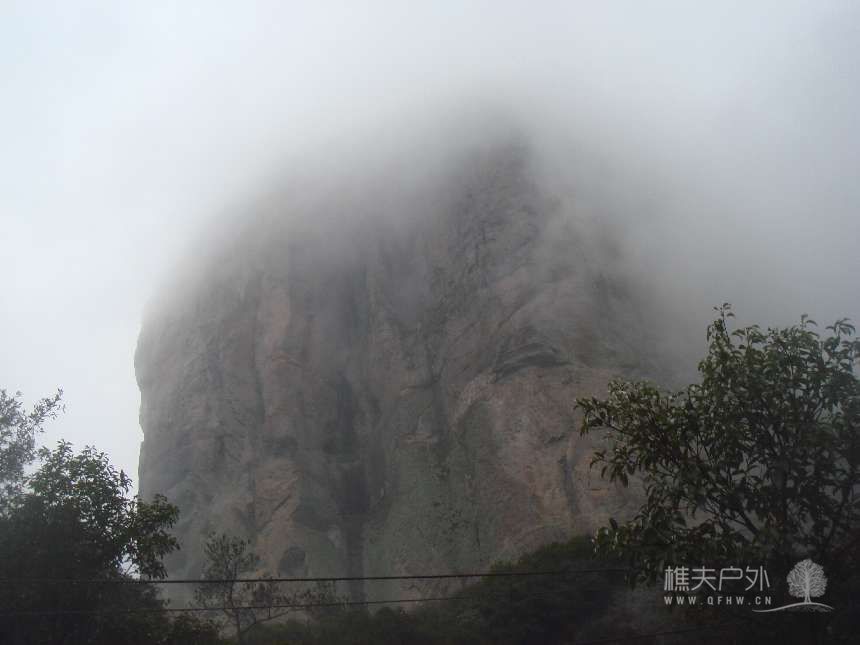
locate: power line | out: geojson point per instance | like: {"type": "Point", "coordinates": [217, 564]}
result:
{"type": "Point", "coordinates": [423, 576]}
{"type": "Point", "coordinates": [320, 605]}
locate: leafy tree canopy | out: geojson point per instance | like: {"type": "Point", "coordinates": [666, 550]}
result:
{"type": "Point", "coordinates": [18, 430]}
{"type": "Point", "coordinates": [70, 523]}
{"type": "Point", "coordinates": [84, 497]}
{"type": "Point", "coordinates": [757, 462]}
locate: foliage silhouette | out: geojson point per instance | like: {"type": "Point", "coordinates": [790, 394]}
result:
{"type": "Point", "coordinates": [757, 463]}
{"type": "Point", "coordinates": [74, 519]}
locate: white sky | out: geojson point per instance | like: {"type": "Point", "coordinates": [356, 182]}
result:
{"type": "Point", "coordinates": [126, 127]}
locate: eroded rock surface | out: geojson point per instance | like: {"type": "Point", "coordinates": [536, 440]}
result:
{"type": "Point", "coordinates": [391, 392]}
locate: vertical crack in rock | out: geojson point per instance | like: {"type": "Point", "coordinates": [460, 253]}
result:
{"type": "Point", "coordinates": [387, 386]}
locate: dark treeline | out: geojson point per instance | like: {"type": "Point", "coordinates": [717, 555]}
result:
{"type": "Point", "coordinates": [73, 519]}
{"type": "Point", "coordinates": [758, 462]}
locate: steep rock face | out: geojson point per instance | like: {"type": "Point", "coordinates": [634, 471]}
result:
{"type": "Point", "coordinates": [389, 393]}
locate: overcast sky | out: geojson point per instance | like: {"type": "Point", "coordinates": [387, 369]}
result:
{"type": "Point", "coordinates": [127, 128]}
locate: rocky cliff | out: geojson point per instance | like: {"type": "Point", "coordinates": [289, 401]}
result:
{"type": "Point", "coordinates": [382, 381]}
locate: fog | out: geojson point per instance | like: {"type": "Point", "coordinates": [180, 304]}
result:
{"type": "Point", "coordinates": [720, 144]}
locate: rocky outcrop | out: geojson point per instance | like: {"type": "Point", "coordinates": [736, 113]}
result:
{"type": "Point", "coordinates": [386, 384]}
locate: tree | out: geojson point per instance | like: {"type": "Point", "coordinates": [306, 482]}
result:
{"type": "Point", "coordinates": [84, 497]}
{"type": "Point", "coordinates": [806, 580]}
{"type": "Point", "coordinates": [75, 521]}
{"type": "Point", "coordinates": [71, 538]}
{"type": "Point", "coordinates": [18, 430]}
{"type": "Point", "coordinates": [246, 604]}
{"type": "Point", "coordinates": [757, 462]}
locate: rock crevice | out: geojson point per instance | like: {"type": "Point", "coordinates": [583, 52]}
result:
{"type": "Point", "coordinates": [383, 399]}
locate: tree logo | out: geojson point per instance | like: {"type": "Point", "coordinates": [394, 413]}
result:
{"type": "Point", "coordinates": [806, 580]}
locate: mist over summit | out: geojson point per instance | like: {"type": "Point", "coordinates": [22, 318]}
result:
{"type": "Point", "coordinates": [382, 380]}
{"type": "Point", "coordinates": [370, 364]}
{"type": "Point", "coordinates": [720, 139]}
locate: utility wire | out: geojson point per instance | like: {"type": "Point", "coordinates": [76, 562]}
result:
{"type": "Point", "coordinates": [301, 606]}
{"type": "Point", "coordinates": [425, 576]}
{"type": "Point", "coordinates": [319, 605]}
